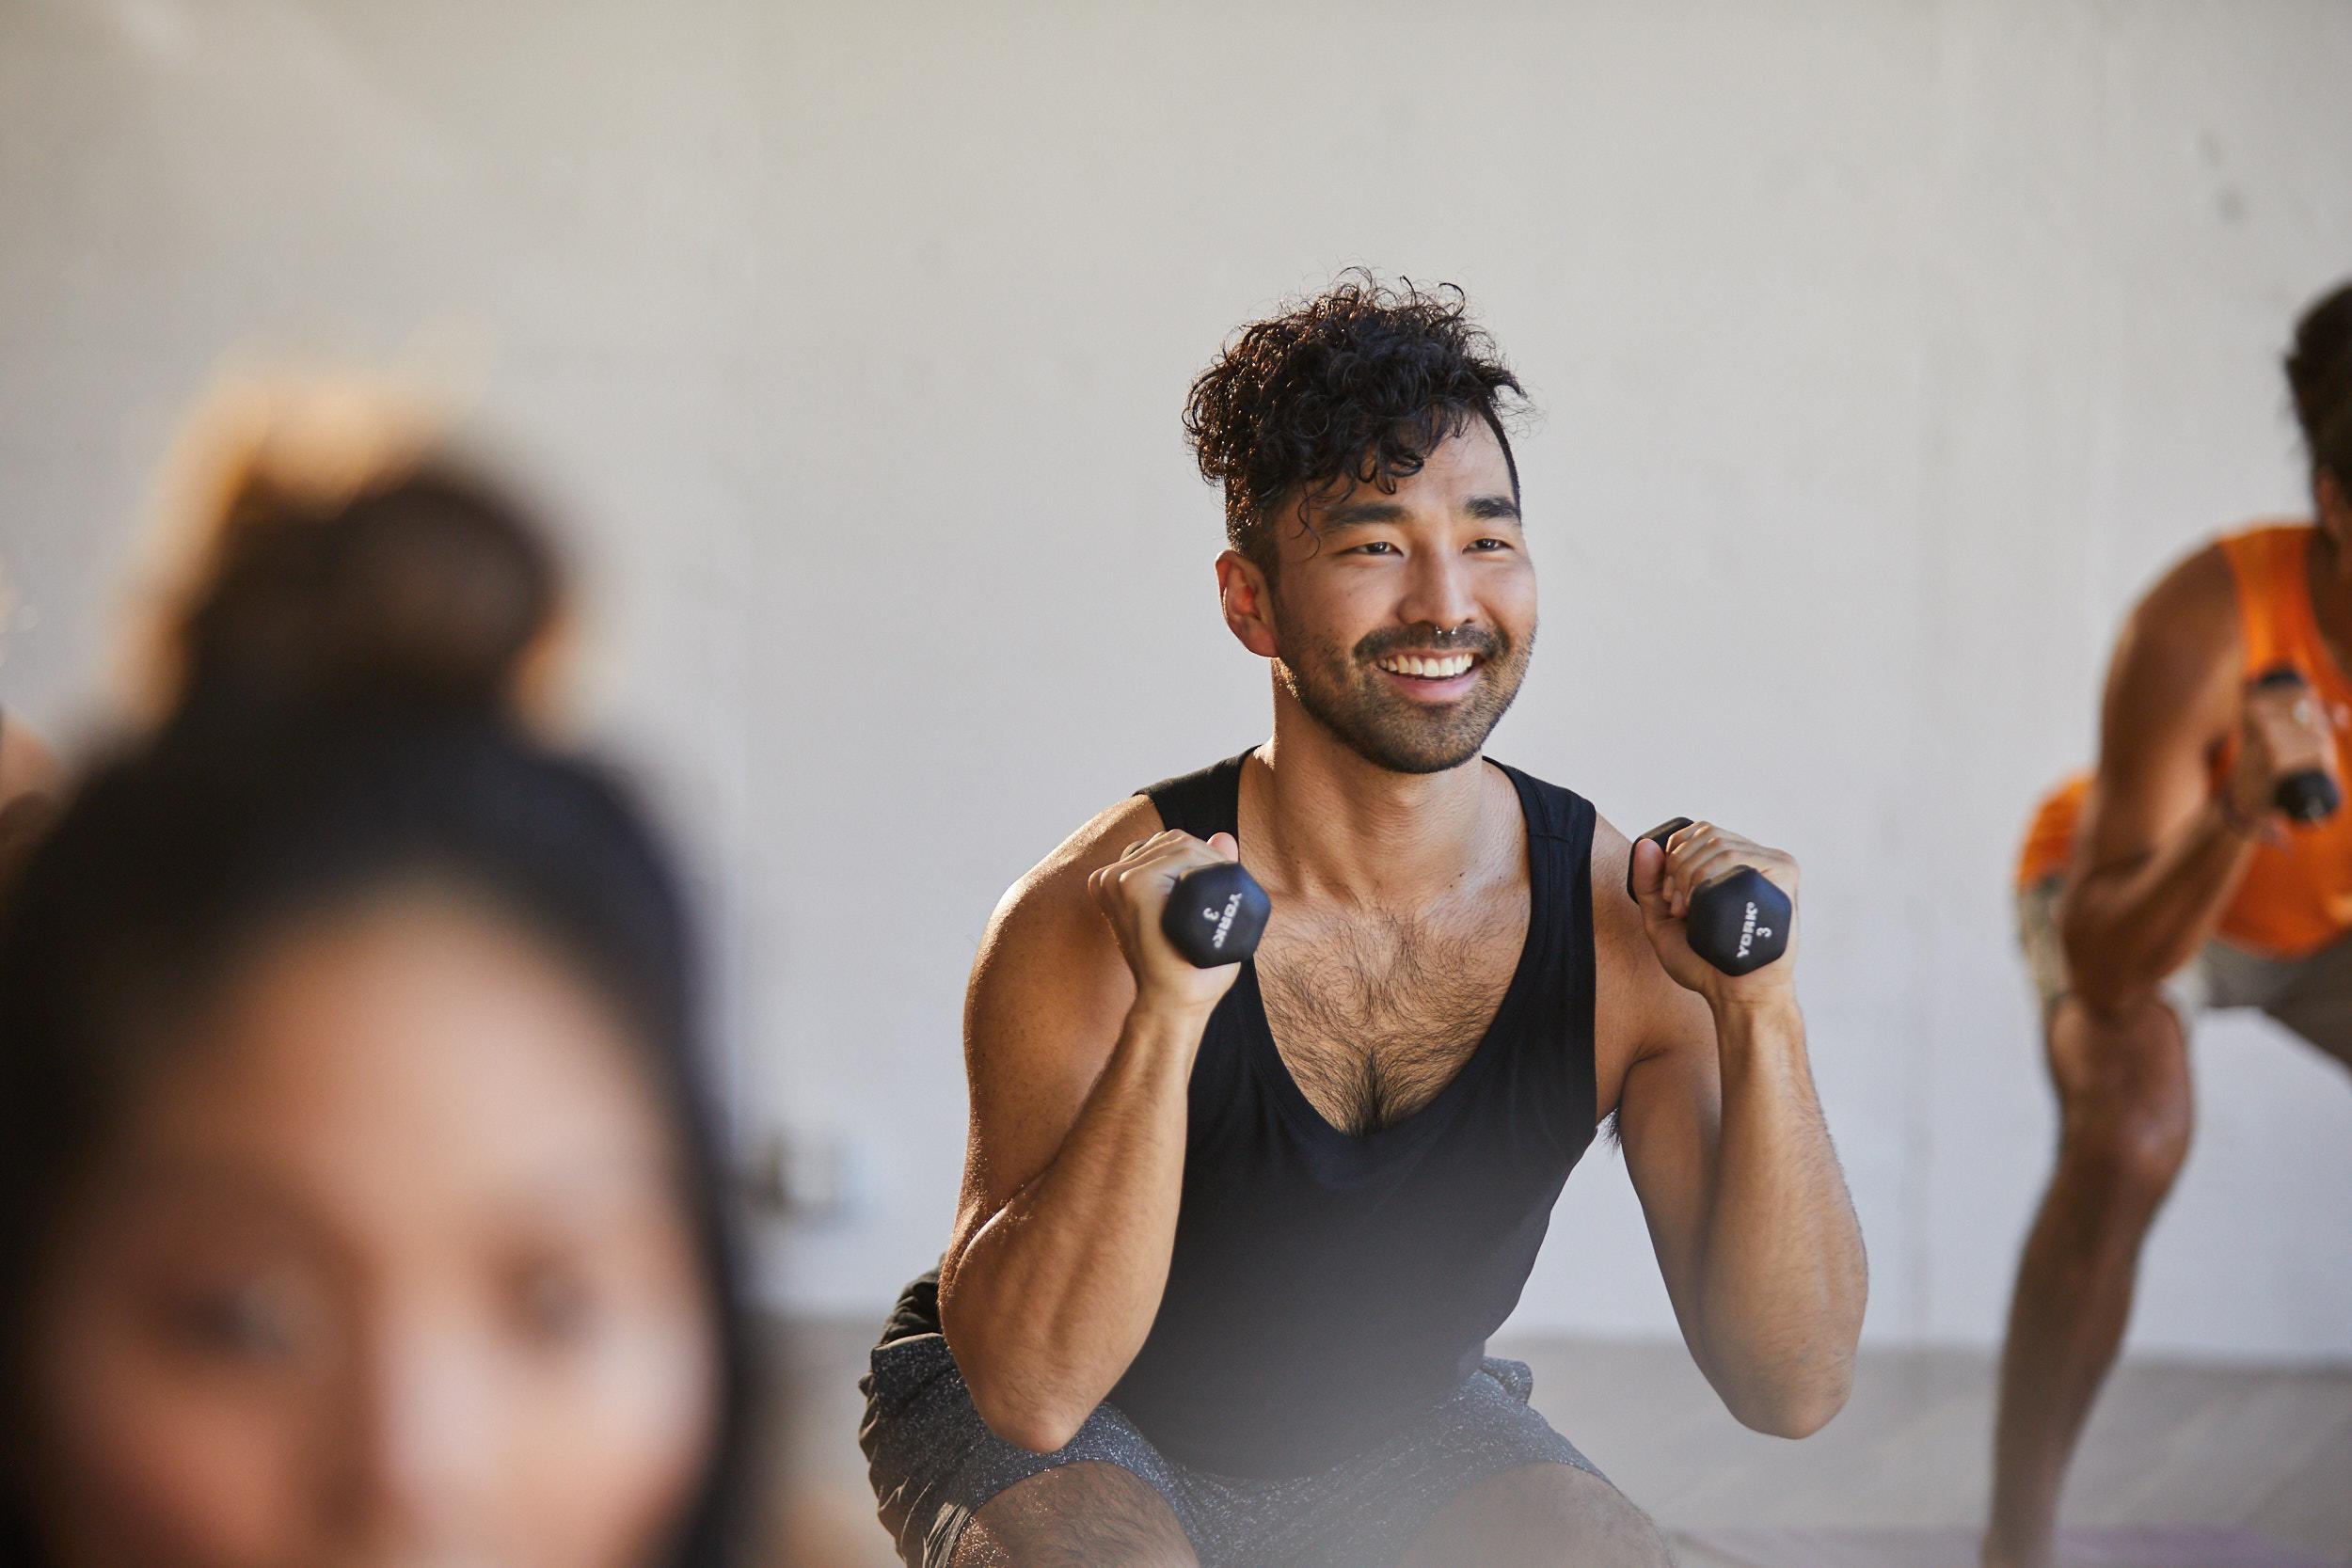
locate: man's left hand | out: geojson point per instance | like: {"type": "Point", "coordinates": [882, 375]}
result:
{"type": "Point", "coordinates": [1663, 882]}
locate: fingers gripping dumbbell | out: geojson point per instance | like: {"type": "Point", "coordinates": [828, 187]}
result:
{"type": "Point", "coordinates": [2309, 796]}
{"type": "Point", "coordinates": [1215, 914]}
{"type": "Point", "coordinates": [1738, 922]}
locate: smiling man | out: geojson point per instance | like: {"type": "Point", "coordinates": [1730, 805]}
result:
{"type": "Point", "coordinates": [1231, 1240]}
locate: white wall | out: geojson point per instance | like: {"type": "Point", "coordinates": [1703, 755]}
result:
{"type": "Point", "coordinates": [1885, 352]}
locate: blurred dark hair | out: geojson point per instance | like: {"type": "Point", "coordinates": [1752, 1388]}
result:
{"type": "Point", "coordinates": [341, 730]}
{"type": "Point", "coordinates": [2319, 372]}
{"type": "Point", "coordinates": [431, 580]}
{"type": "Point", "coordinates": [1357, 385]}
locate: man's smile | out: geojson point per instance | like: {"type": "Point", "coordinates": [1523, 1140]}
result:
{"type": "Point", "coordinates": [1428, 677]}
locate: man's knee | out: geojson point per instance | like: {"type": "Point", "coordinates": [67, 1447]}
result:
{"type": "Point", "coordinates": [2125, 1104]}
{"type": "Point", "coordinates": [2130, 1153]}
{"type": "Point", "coordinates": [1541, 1516]}
{"type": "Point", "coordinates": [1087, 1516]}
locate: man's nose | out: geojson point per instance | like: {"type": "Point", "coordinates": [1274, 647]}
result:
{"type": "Point", "coordinates": [1438, 593]}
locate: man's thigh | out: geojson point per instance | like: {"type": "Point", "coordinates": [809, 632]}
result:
{"type": "Point", "coordinates": [1085, 1515]}
{"type": "Point", "coordinates": [2188, 991]}
{"type": "Point", "coordinates": [1540, 1516]}
{"type": "Point", "coordinates": [937, 1471]}
{"type": "Point", "coordinates": [1371, 1509]}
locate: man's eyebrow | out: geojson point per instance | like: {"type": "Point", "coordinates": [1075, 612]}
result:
{"type": "Point", "coordinates": [1371, 513]}
{"type": "Point", "coordinates": [1362, 515]}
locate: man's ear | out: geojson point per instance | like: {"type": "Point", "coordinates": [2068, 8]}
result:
{"type": "Point", "coordinates": [1248, 600]}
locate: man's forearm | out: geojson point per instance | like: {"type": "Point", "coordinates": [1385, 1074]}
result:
{"type": "Point", "coordinates": [1785, 1275]}
{"type": "Point", "coordinates": [1050, 1299]}
{"type": "Point", "coordinates": [2126, 929]}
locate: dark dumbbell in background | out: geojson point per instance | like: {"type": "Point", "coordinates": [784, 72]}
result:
{"type": "Point", "coordinates": [2310, 795]}
{"type": "Point", "coordinates": [1215, 914]}
{"type": "Point", "coordinates": [1738, 922]}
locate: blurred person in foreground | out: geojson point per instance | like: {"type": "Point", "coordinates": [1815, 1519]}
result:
{"type": "Point", "coordinates": [326, 534]}
{"type": "Point", "coordinates": [29, 775]}
{"type": "Point", "coordinates": [357, 1203]}
{"type": "Point", "coordinates": [27, 768]}
{"type": "Point", "coordinates": [2167, 882]}
{"type": "Point", "coordinates": [29, 779]}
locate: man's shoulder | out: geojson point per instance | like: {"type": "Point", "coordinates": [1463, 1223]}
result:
{"type": "Point", "coordinates": [1617, 919]}
{"type": "Point", "coordinates": [1046, 934]}
{"type": "Point", "coordinates": [1049, 905]}
{"type": "Point", "coordinates": [2197, 595]}
{"type": "Point", "coordinates": [1059, 879]}
{"type": "Point", "coordinates": [1180, 800]}
{"type": "Point", "coordinates": [1203, 802]}
{"type": "Point", "coordinates": [1553, 810]}
{"type": "Point", "coordinates": [2183, 641]}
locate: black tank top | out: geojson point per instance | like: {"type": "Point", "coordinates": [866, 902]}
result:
{"type": "Point", "coordinates": [1327, 1286]}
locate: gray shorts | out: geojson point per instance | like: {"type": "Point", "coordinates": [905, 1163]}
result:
{"type": "Point", "coordinates": [2311, 995]}
{"type": "Point", "coordinates": [934, 1463]}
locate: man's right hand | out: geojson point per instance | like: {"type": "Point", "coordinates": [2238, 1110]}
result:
{"type": "Point", "coordinates": [2282, 730]}
{"type": "Point", "coordinates": [1133, 893]}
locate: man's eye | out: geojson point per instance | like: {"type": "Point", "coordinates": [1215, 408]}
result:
{"type": "Point", "coordinates": [1378, 546]}
{"type": "Point", "coordinates": [1490, 545]}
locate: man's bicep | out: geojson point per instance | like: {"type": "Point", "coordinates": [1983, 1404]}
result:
{"type": "Point", "coordinates": [2168, 699]}
{"type": "Point", "coordinates": [1670, 1118]}
{"type": "Point", "coordinates": [1669, 1101]}
{"type": "Point", "coordinates": [1047, 997]}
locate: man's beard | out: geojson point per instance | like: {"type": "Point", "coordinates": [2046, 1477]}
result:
{"type": "Point", "coordinates": [1342, 690]}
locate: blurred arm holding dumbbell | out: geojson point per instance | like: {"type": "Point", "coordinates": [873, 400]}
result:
{"type": "Point", "coordinates": [2198, 765]}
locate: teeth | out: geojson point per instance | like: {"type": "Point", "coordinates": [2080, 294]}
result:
{"type": "Point", "coordinates": [1428, 668]}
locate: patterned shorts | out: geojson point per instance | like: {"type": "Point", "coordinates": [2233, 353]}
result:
{"type": "Point", "coordinates": [934, 1463]}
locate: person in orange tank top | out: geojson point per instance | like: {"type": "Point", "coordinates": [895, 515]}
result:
{"type": "Point", "coordinates": [2168, 881]}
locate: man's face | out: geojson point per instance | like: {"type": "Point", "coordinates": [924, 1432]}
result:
{"type": "Point", "coordinates": [1404, 619]}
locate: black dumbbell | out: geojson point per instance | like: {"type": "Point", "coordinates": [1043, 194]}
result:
{"type": "Point", "coordinates": [2310, 795]}
{"type": "Point", "coordinates": [1738, 921]}
{"type": "Point", "coordinates": [1215, 914]}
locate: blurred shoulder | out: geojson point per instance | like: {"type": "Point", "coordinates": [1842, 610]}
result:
{"type": "Point", "coordinates": [27, 767]}
{"type": "Point", "coordinates": [2183, 638]}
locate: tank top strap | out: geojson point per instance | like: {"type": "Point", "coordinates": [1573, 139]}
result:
{"type": "Point", "coordinates": [2270, 567]}
{"type": "Point", "coordinates": [1201, 803]}
{"type": "Point", "coordinates": [1558, 1069]}
{"type": "Point", "coordinates": [1560, 848]}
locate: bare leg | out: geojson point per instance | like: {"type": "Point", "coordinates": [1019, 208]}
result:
{"type": "Point", "coordinates": [1539, 1517]}
{"type": "Point", "coordinates": [1088, 1515]}
{"type": "Point", "coordinates": [2125, 1112]}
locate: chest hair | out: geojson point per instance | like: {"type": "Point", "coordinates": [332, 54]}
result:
{"type": "Point", "coordinates": [1373, 1013]}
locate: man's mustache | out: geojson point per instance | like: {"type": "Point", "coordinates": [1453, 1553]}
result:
{"type": "Point", "coordinates": [1485, 643]}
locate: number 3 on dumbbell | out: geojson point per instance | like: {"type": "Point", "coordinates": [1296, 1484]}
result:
{"type": "Point", "coordinates": [1215, 914]}
{"type": "Point", "coordinates": [1738, 922]}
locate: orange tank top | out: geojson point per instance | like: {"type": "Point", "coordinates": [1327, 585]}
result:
{"type": "Point", "coordinates": [2295, 896]}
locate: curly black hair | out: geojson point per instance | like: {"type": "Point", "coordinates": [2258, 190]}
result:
{"type": "Point", "coordinates": [2319, 372]}
{"type": "Point", "coordinates": [1357, 385]}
